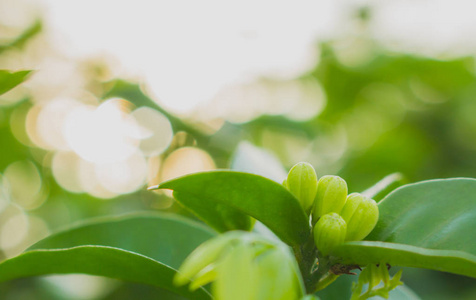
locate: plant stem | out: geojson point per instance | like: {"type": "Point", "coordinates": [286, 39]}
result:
{"type": "Point", "coordinates": [306, 256]}
{"type": "Point", "coordinates": [316, 276]}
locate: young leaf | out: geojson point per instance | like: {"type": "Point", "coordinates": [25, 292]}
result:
{"type": "Point", "coordinates": [9, 80]}
{"type": "Point", "coordinates": [96, 260]}
{"type": "Point", "coordinates": [259, 197]}
{"type": "Point", "coordinates": [425, 225]}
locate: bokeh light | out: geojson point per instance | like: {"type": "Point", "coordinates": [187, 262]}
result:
{"type": "Point", "coordinates": [103, 134]}
{"type": "Point", "coordinates": [184, 161]}
{"type": "Point", "coordinates": [158, 132]}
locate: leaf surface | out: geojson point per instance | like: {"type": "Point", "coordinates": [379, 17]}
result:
{"type": "Point", "coordinates": [143, 247]}
{"type": "Point", "coordinates": [96, 260]}
{"type": "Point", "coordinates": [263, 199]}
{"type": "Point", "coordinates": [163, 237]}
{"type": "Point", "coordinates": [426, 225]}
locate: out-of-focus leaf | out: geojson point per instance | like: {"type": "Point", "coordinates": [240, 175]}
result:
{"type": "Point", "coordinates": [12, 149]}
{"type": "Point", "coordinates": [424, 225]}
{"type": "Point", "coordinates": [20, 40]}
{"type": "Point", "coordinates": [163, 237]}
{"type": "Point", "coordinates": [150, 244]}
{"type": "Point", "coordinates": [9, 80]}
{"type": "Point", "coordinates": [96, 260]}
{"type": "Point", "coordinates": [259, 197]}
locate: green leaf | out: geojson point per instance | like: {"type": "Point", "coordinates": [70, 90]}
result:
{"type": "Point", "coordinates": [424, 225]}
{"type": "Point", "coordinates": [259, 197]}
{"type": "Point", "coordinates": [9, 80]}
{"type": "Point", "coordinates": [96, 260]}
{"type": "Point", "coordinates": [220, 216]}
{"type": "Point", "coordinates": [155, 244]}
{"type": "Point", "coordinates": [163, 237]}
{"type": "Point", "coordinates": [23, 38]}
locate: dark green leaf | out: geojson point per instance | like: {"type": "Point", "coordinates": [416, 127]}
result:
{"type": "Point", "coordinates": [96, 260]}
{"type": "Point", "coordinates": [220, 216]}
{"type": "Point", "coordinates": [9, 80]}
{"type": "Point", "coordinates": [259, 197]}
{"type": "Point", "coordinates": [425, 225]}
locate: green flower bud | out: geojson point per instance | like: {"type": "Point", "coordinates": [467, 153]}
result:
{"type": "Point", "coordinates": [278, 277]}
{"type": "Point", "coordinates": [235, 278]}
{"type": "Point", "coordinates": [257, 271]}
{"type": "Point", "coordinates": [302, 183]}
{"type": "Point", "coordinates": [243, 265]}
{"type": "Point", "coordinates": [330, 197]}
{"type": "Point", "coordinates": [206, 275]}
{"type": "Point", "coordinates": [203, 256]}
{"type": "Point", "coordinates": [361, 215]}
{"type": "Point", "coordinates": [330, 231]}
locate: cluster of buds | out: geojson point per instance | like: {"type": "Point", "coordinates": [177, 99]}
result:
{"type": "Point", "coordinates": [336, 216]}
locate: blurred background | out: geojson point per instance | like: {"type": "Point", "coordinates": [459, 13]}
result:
{"type": "Point", "coordinates": [126, 94]}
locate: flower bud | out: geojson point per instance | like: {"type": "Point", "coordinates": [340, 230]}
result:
{"type": "Point", "coordinates": [330, 231]}
{"type": "Point", "coordinates": [235, 277]}
{"type": "Point", "coordinates": [361, 215]}
{"type": "Point", "coordinates": [278, 276]}
{"type": "Point", "coordinates": [203, 256]}
{"type": "Point", "coordinates": [330, 197]}
{"type": "Point", "coordinates": [257, 271]}
{"type": "Point", "coordinates": [302, 183]}
{"type": "Point", "coordinates": [243, 265]}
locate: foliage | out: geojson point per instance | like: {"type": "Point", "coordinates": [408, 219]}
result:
{"type": "Point", "coordinates": [116, 250]}
{"type": "Point", "coordinates": [399, 113]}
